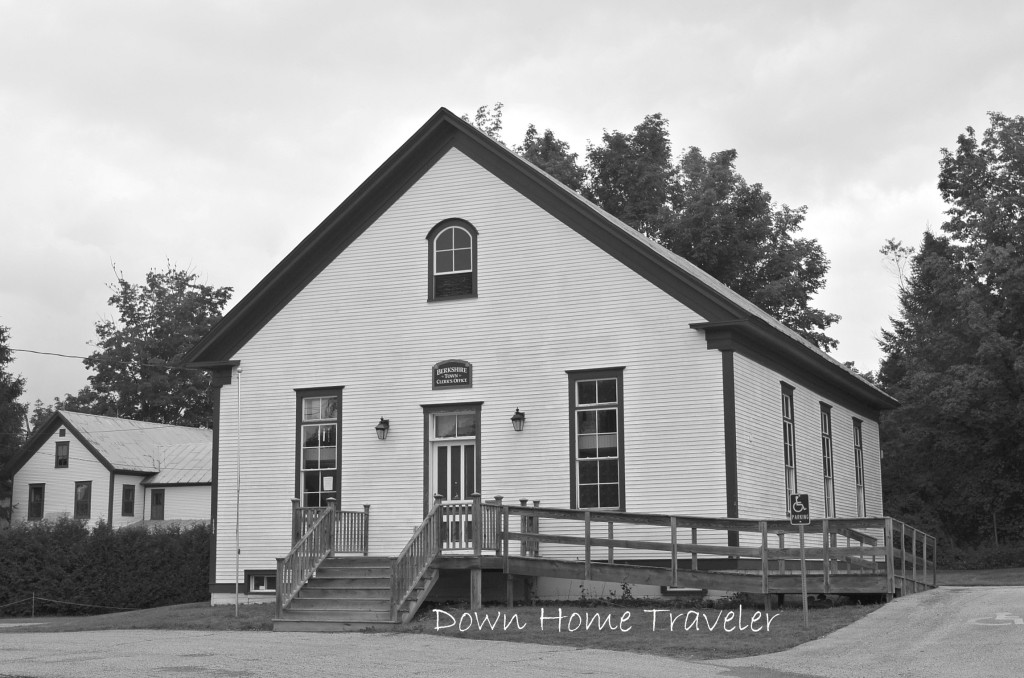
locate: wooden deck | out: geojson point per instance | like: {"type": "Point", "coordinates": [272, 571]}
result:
{"type": "Point", "coordinates": [851, 556]}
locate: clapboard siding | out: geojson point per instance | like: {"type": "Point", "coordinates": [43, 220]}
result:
{"type": "Point", "coordinates": [120, 480]}
{"type": "Point", "coordinates": [185, 502]}
{"type": "Point", "coordinates": [760, 460]}
{"type": "Point", "coordinates": [59, 494]}
{"type": "Point", "coordinates": [548, 301]}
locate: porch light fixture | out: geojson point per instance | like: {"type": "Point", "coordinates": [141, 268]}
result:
{"type": "Point", "coordinates": [382, 428]}
{"type": "Point", "coordinates": [518, 419]}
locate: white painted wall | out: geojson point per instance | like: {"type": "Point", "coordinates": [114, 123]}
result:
{"type": "Point", "coordinates": [120, 480]}
{"type": "Point", "coordinates": [182, 502]}
{"type": "Point", "coordinates": [549, 301]}
{"type": "Point", "coordinates": [59, 498]}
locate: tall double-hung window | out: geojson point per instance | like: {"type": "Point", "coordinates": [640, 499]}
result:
{"type": "Point", "coordinates": [858, 462]}
{"type": "Point", "coordinates": [319, 467]}
{"type": "Point", "coordinates": [452, 260]}
{"type": "Point", "coordinates": [789, 441]}
{"type": "Point", "coordinates": [596, 443]}
{"type": "Point", "coordinates": [826, 461]}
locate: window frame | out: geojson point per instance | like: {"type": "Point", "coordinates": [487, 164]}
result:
{"type": "Point", "coordinates": [266, 575]}
{"type": "Point", "coordinates": [575, 377]}
{"type": "Point", "coordinates": [36, 515]}
{"type": "Point", "coordinates": [858, 464]}
{"type": "Point", "coordinates": [301, 395]}
{"type": "Point", "coordinates": [432, 237]}
{"type": "Point", "coordinates": [83, 507]}
{"type": "Point", "coordinates": [430, 437]}
{"type": "Point", "coordinates": [62, 446]}
{"type": "Point", "coordinates": [789, 442]}
{"type": "Point", "coordinates": [127, 504]}
{"type": "Point", "coordinates": [828, 461]}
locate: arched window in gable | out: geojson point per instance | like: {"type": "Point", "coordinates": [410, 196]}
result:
{"type": "Point", "coordinates": [452, 260]}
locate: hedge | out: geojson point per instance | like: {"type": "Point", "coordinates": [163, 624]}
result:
{"type": "Point", "coordinates": [98, 570]}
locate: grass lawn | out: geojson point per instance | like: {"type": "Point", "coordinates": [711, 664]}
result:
{"type": "Point", "coordinates": [698, 634]}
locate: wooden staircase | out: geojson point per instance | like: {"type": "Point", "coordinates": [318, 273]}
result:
{"type": "Point", "coordinates": [349, 594]}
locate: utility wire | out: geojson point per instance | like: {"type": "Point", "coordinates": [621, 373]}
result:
{"type": "Point", "coordinates": [109, 361]}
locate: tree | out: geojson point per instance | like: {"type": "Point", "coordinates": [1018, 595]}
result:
{"type": "Point", "coordinates": [137, 365]}
{"type": "Point", "coordinates": [12, 416]}
{"type": "Point", "coordinates": [488, 121]}
{"type": "Point", "coordinates": [553, 156]}
{"type": "Point", "coordinates": [703, 210]}
{"type": "Point", "coordinates": [955, 355]}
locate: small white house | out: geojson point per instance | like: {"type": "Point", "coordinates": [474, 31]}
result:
{"type": "Point", "coordinates": [121, 471]}
{"type": "Point", "coordinates": [460, 287]}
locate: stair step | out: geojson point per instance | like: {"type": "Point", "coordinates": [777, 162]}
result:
{"type": "Point", "coordinates": [339, 615]}
{"type": "Point", "coordinates": [352, 571]}
{"type": "Point", "coordinates": [360, 604]}
{"type": "Point", "coordinates": [357, 561]}
{"type": "Point", "coordinates": [343, 593]}
{"type": "Point", "coordinates": [314, 626]}
{"type": "Point", "coordinates": [349, 582]}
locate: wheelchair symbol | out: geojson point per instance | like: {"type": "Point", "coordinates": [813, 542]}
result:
{"type": "Point", "coordinates": [1001, 619]}
{"type": "Point", "coordinates": [798, 506]}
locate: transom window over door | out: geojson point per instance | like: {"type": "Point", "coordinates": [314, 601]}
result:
{"type": "Point", "coordinates": [452, 260]}
{"type": "Point", "coordinates": [596, 442]}
{"type": "Point", "coordinates": [319, 467]}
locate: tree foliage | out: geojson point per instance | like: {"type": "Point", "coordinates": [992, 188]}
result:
{"type": "Point", "coordinates": [12, 415]}
{"type": "Point", "coordinates": [137, 366]}
{"type": "Point", "coordinates": [955, 355]}
{"type": "Point", "coordinates": [699, 207]}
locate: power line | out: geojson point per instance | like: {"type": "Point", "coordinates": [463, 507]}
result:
{"type": "Point", "coordinates": [110, 361]}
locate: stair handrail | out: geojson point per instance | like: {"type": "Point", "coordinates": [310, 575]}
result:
{"type": "Point", "coordinates": [415, 558]}
{"type": "Point", "coordinates": [312, 548]}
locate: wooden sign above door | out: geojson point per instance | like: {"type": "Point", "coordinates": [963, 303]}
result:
{"type": "Point", "coordinates": [452, 374]}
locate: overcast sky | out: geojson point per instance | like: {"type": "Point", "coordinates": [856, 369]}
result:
{"type": "Point", "coordinates": [216, 135]}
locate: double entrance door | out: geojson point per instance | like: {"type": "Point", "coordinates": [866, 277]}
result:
{"type": "Point", "coordinates": [454, 473]}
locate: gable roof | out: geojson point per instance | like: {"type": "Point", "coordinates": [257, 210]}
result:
{"type": "Point", "coordinates": [135, 447]}
{"type": "Point", "coordinates": [733, 321]}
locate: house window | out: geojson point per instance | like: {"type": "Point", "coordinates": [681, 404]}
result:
{"type": "Point", "coordinates": [858, 461]}
{"type": "Point", "coordinates": [127, 500]}
{"type": "Point", "coordinates": [318, 453]}
{"type": "Point", "coordinates": [36, 497]}
{"type": "Point", "coordinates": [826, 461]}
{"type": "Point", "coordinates": [596, 440]}
{"type": "Point", "coordinates": [83, 500]}
{"type": "Point", "coordinates": [156, 505]}
{"type": "Point", "coordinates": [789, 441]}
{"type": "Point", "coordinates": [62, 432]}
{"type": "Point", "coordinates": [61, 456]}
{"type": "Point", "coordinates": [262, 583]}
{"type": "Point", "coordinates": [452, 260]}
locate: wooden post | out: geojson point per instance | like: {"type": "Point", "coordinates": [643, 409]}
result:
{"type": "Point", "coordinates": [903, 557]}
{"type": "Point", "coordinates": [675, 552]}
{"type": "Point", "coordinates": [280, 587]}
{"type": "Point", "coordinates": [497, 526]}
{"type": "Point", "coordinates": [509, 588]}
{"type": "Point", "coordinates": [826, 557]}
{"type": "Point", "coordinates": [295, 521]}
{"type": "Point", "coordinates": [611, 549]}
{"type": "Point", "coordinates": [524, 527]}
{"type": "Point", "coordinates": [890, 566]}
{"type": "Point", "coordinates": [764, 565]}
{"type": "Point", "coordinates": [535, 544]}
{"type": "Point", "coordinates": [913, 554]}
{"type": "Point", "coordinates": [332, 508]}
{"type": "Point", "coordinates": [693, 553]}
{"type": "Point", "coordinates": [782, 560]}
{"type": "Point", "coordinates": [586, 545]}
{"type": "Point", "coordinates": [476, 526]}
{"type": "Point", "coordinates": [366, 529]}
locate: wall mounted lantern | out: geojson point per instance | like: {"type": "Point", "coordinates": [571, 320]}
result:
{"type": "Point", "coordinates": [382, 428]}
{"type": "Point", "coordinates": [518, 419]}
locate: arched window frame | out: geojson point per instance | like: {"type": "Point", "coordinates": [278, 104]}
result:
{"type": "Point", "coordinates": [432, 236]}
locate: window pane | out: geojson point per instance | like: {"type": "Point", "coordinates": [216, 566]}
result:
{"type": "Point", "coordinates": [329, 434]}
{"type": "Point", "coordinates": [445, 426]}
{"type": "Point", "coordinates": [607, 445]}
{"type": "Point", "coordinates": [310, 436]}
{"type": "Point", "coordinates": [328, 457]}
{"type": "Point", "coordinates": [463, 260]}
{"type": "Point", "coordinates": [467, 424]}
{"type": "Point", "coordinates": [329, 408]}
{"type": "Point", "coordinates": [586, 421]}
{"type": "Point", "coordinates": [310, 408]}
{"type": "Point", "coordinates": [609, 495]}
{"type": "Point", "coordinates": [445, 239]}
{"type": "Point", "coordinates": [609, 471]}
{"type": "Point", "coordinates": [588, 496]}
{"type": "Point", "coordinates": [606, 391]}
{"type": "Point", "coordinates": [588, 472]}
{"type": "Point", "coordinates": [462, 238]}
{"type": "Point", "coordinates": [587, 392]}
{"type": "Point", "coordinates": [587, 446]}
{"type": "Point", "coordinates": [444, 262]}
{"type": "Point", "coordinates": [310, 457]}
{"type": "Point", "coordinates": [606, 421]}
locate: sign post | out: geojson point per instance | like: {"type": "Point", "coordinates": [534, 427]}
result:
{"type": "Point", "coordinates": [800, 514]}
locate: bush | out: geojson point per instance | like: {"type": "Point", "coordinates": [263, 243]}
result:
{"type": "Point", "coordinates": [94, 571]}
{"type": "Point", "coordinates": [982, 558]}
